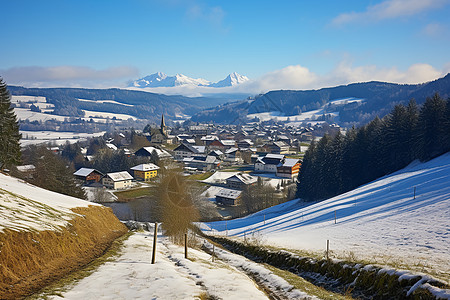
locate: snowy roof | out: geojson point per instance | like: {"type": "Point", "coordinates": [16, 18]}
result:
{"type": "Point", "coordinates": [145, 167]}
{"type": "Point", "coordinates": [111, 146]}
{"type": "Point", "coordinates": [161, 153]}
{"type": "Point", "coordinates": [228, 193]}
{"type": "Point", "coordinates": [26, 168]}
{"type": "Point", "coordinates": [244, 178]}
{"type": "Point", "coordinates": [288, 162]}
{"type": "Point", "coordinates": [231, 150]}
{"type": "Point", "coordinates": [274, 156]}
{"type": "Point", "coordinates": [120, 176]}
{"type": "Point", "coordinates": [83, 172]}
{"type": "Point", "coordinates": [228, 142]}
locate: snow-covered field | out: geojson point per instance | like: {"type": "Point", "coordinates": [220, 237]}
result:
{"type": "Point", "coordinates": [380, 221]}
{"type": "Point", "coordinates": [106, 101]}
{"type": "Point", "coordinates": [59, 138]}
{"type": "Point", "coordinates": [103, 115]}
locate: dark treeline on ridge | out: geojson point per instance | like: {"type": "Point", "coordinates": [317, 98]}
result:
{"type": "Point", "coordinates": [340, 163]}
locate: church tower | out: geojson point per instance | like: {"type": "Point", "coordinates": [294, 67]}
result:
{"type": "Point", "coordinates": [163, 126]}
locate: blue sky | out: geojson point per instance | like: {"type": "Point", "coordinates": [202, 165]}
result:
{"type": "Point", "coordinates": [278, 44]}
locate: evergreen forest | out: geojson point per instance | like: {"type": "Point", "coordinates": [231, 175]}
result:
{"type": "Point", "coordinates": [340, 163]}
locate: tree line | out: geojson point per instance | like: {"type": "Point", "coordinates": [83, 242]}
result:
{"type": "Point", "coordinates": [340, 163]}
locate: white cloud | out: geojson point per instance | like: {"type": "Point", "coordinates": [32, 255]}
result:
{"type": "Point", "coordinates": [435, 30]}
{"type": "Point", "coordinates": [68, 76]}
{"type": "Point", "coordinates": [390, 9]}
{"type": "Point", "coordinates": [213, 15]}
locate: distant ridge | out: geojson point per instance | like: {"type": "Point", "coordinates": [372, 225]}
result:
{"type": "Point", "coordinates": [160, 79]}
{"type": "Point", "coordinates": [371, 99]}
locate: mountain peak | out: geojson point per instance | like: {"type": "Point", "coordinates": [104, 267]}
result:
{"type": "Point", "coordinates": [160, 79]}
{"type": "Point", "coordinates": [231, 80]}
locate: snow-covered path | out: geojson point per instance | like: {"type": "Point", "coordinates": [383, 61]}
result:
{"type": "Point", "coordinates": [132, 276]}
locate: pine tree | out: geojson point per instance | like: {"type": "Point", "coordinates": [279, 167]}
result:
{"type": "Point", "coordinates": [432, 128]}
{"type": "Point", "coordinates": [9, 130]}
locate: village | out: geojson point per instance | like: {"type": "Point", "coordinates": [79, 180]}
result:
{"type": "Point", "coordinates": [225, 160]}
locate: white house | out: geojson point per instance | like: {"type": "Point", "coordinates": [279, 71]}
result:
{"type": "Point", "coordinates": [268, 163]}
{"type": "Point", "coordinates": [117, 180]}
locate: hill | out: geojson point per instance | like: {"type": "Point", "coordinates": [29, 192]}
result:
{"type": "Point", "coordinates": [139, 104]}
{"type": "Point", "coordinates": [355, 103]}
{"type": "Point", "coordinates": [44, 235]}
{"type": "Point", "coordinates": [400, 220]}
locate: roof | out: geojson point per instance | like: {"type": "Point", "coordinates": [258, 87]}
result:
{"type": "Point", "coordinates": [190, 148]}
{"type": "Point", "coordinates": [288, 162]}
{"type": "Point", "coordinates": [228, 142]}
{"type": "Point", "coordinates": [159, 152]}
{"type": "Point", "coordinates": [145, 167]}
{"type": "Point", "coordinates": [244, 178]}
{"type": "Point", "coordinates": [120, 176]}
{"type": "Point", "coordinates": [274, 156]}
{"type": "Point", "coordinates": [84, 172]}
{"type": "Point", "coordinates": [229, 193]}
{"type": "Point", "coordinates": [111, 146]}
{"type": "Point", "coordinates": [231, 150]}
{"type": "Point", "coordinates": [26, 168]}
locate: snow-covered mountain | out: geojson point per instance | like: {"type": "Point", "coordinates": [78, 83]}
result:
{"type": "Point", "coordinates": [162, 80]}
{"type": "Point", "coordinates": [231, 80]}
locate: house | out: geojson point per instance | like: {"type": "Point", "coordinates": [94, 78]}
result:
{"type": "Point", "coordinates": [229, 143]}
{"type": "Point", "coordinates": [187, 150]}
{"type": "Point", "coordinates": [233, 155]}
{"type": "Point", "coordinates": [203, 163]}
{"type": "Point", "coordinates": [145, 172]}
{"type": "Point", "coordinates": [88, 175]}
{"type": "Point", "coordinates": [268, 163]}
{"type": "Point", "coordinates": [27, 171]}
{"type": "Point", "coordinates": [198, 130]}
{"type": "Point", "coordinates": [117, 180]}
{"type": "Point", "coordinates": [208, 139]}
{"type": "Point", "coordinates": [288, 168]}
{"type": "Point", "coordinates": [277, 147]}
{"type": "Point", "coordinates": [228, 197]}
{"type": "Point", "coordinates": [240, 181]}
{"type": "Point", "coordinates": [217, 153]}
{"type": "Point", "coordinates": [149, 151]}
{"type": "Point", "coordinates": [247, 143]}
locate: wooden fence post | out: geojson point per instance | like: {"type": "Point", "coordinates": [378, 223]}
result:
{"type": "Point", "coordinates": [334, 217]}
{"type": "Point", "coordinates": [213, 254]}
{"type": "Point", "coordinates": [155, 234]}
{"type": "Point", "coordinates": [328, 249]}
{"type": "Point", "coordinates": [185, 246]}
{"type": "Point", "coordinates": [414, 192]}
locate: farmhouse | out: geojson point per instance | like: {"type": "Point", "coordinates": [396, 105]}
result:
{"type": "Point", "coordinates": [288, 168]}
{"type": "Point", "coordinates": [228, 197]}
{"type": "Point", "coordinates": [88, 175]}
{"type": "Point", "coordinates": [187, 150]}
{"type": "Point", "coordinates": [268, 163]}
{"type": "Point", "coordinates": [145, 172]}
{"type": "Point", "coordinates": [149, 151]}
{"type": "Point", "coordinates": [241, 180]}
{"type": "Point", "coordinates": [117, 180]}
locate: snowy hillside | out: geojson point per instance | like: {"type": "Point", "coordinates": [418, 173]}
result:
{"type": "Point", "coordinates": [28, 207]}
{"type": "Point", "coordinates": [381, 221]}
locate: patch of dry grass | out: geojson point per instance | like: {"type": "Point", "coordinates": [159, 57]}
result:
{"type": "Point", "coordinates": [32, 260]}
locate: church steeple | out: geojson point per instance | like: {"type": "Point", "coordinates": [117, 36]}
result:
{"type": "Point", "coordinates": [163, 125]}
